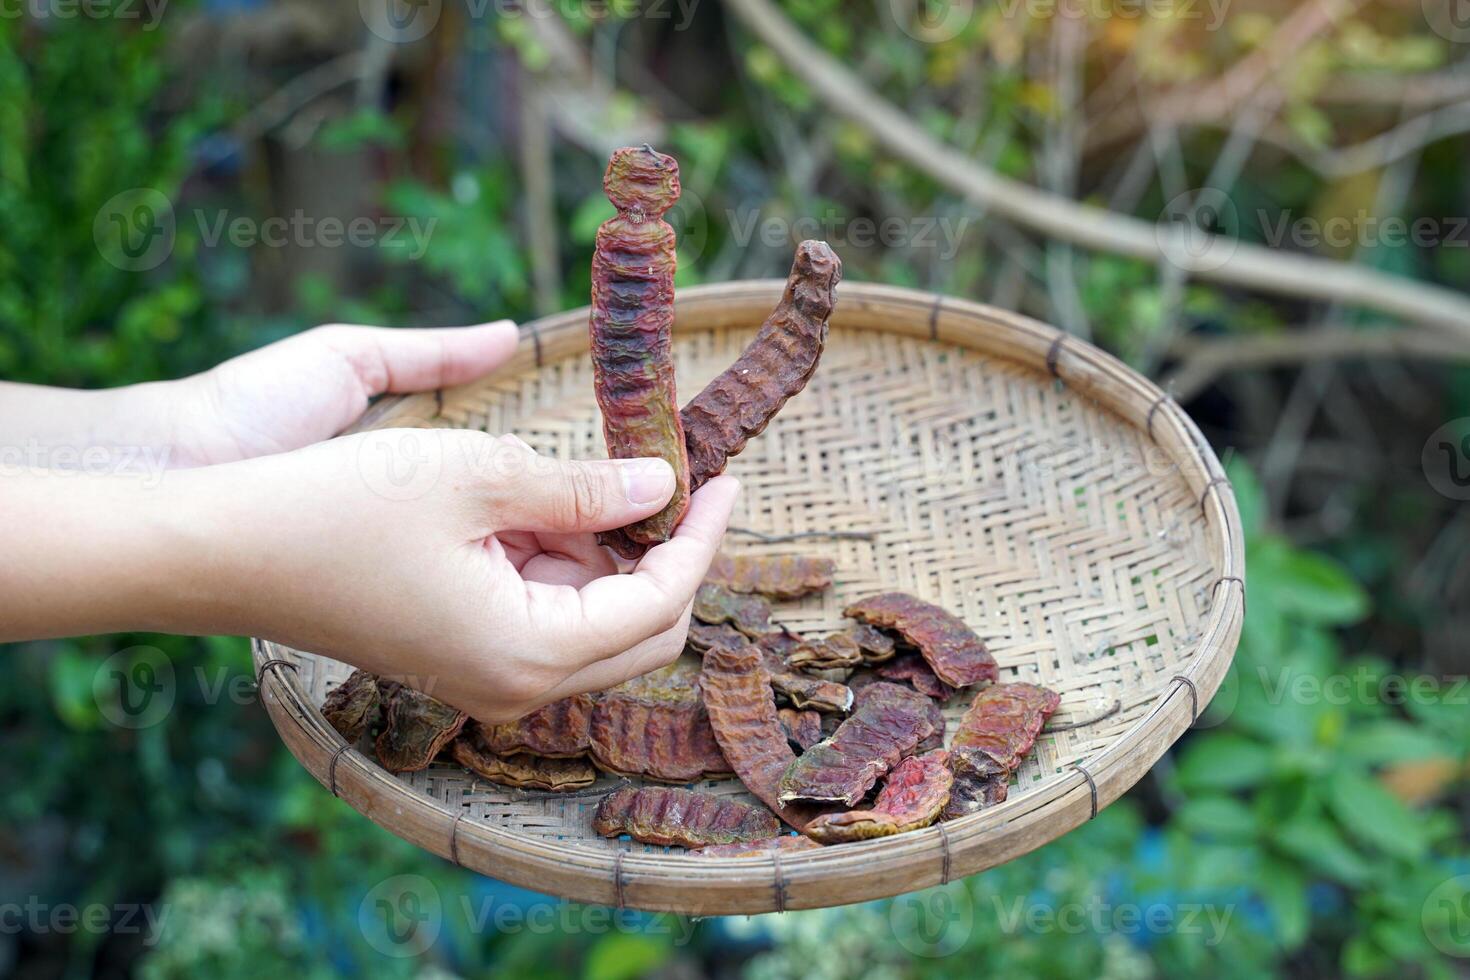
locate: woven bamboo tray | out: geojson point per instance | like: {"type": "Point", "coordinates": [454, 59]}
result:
{"type": "Point", "coordinates": [1056, 500]}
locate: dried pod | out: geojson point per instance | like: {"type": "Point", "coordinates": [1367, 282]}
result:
{"type": "Point", "coordinates": [876, 645]}
{"type": "Point", "coordinates": [678, 683]}
{"type": "Point", "coordinates": [666, 815]}
{"type": "Point", "coordinates": [353, 707]}
{"type": "Point", "coordinates": [773, 576]}
{"type": "Point", "coordinates": [750, 614]}
{"type": "Point", "coordinates": [740, 403]}
{"type": "Point", "coordinates": [631, 329]}
{"type": "Point", "coordinates": [703, 636]}
{"type": "Point", "coordinates": [804, 691]}
{"type": "Point", "coordinates": [831, 652]}
{"type": "Point", "coordinates": [912, 797]}
{"type": "Point", "coordinates": [879, 690]}
{"type": "Point", "coordinates": [668, 741]}
{"type": "Point", "coordinates": [417, 727]}
{"type": "Point", "coordinates": [913, 668]}
{"type": "Point", "coordinates": [760, 848]}
{"type": "Point", "coordinates": [958, 656]}
{"type": "Point", "coordinates": [842, 768]}
{"type": "Point", "coordinates": [994, 736]}
{"type": "Point", "coordinates": [555, 730]}
{"type": "Point", "coordinates": [521, 770]}
{"type": "Point", "coordinates": [803, 728]}
{"type": "Point", "coordinates": [737, 694]}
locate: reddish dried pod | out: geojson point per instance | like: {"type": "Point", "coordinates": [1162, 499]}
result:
{"type": "Point", "coordinates": [869, 689]}
{"type": "Point", "coordinates": [737, 695]}
{"type": "Point", "coordinates": [805, 691]}
{"type": "Point", "coordinates": [416, 729]}
{"type": "Point", "coordinates": [740, 403]}
{"type": "Point", "coordinates": [876, 645]}
{"type": "Point", "coordinates": [521, 770]}
{"type": "Point", "coordinates": [353, 707]}
{"type": "Point", "coordinates": [833, 651]}
{"type": "Point", "coordinates": [631, 327]}
{"type": "Point", "coordinates": [958, 656]}
{"type": "Point", "coordinates": [760, 848]}
{"type": "Point", "coordinates": [842, 768]}
{"type": "Point", "coordinates": [703, 636]}
{"type": "Point", "coordinates": [667, 741]}
{"type": "Point", "coordinates": [715, 604]}
{"type": "Point", "coordinates": [913, 668]}
{"type": "Point", "coordinates": [678, 683]}
{"type": "Point", "coordinates": [912, 797]}
{"type": "Point", "coordinates": [803, 728]}
{"type": "Point", "coordinates": [665, 815]}
{"type": "Point", "coordinates": [994, 736]}
{"type": "Point", "coordinates": [555, 730]}
{"type": "Point", "coordinates": [773, 576]}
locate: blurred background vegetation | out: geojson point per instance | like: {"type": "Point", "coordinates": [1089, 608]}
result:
{"type": "Point", "coordinates": [1329, 829]}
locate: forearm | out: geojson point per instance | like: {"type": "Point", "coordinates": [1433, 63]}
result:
{"type": "Point", "coordinates": [92, 554]}
{"type": "Point", "coordinates": [52, 428]}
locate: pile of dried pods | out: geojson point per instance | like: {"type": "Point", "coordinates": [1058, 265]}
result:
{"type": "Point", "coordinates": [810, 725]}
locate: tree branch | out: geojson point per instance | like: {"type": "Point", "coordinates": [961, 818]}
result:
{"type": "Point", "coordinates": [1251, 266]}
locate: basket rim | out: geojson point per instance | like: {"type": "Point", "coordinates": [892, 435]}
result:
{"type": "Point", "coordinates": [676, 882]}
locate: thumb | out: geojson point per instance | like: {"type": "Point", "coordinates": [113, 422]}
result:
{"type": "Point", "coordinates": [537, 493]}
{"type": "Point", "coordinates": [388, 359]}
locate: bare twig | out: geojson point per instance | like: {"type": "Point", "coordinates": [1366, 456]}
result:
{"type": "Point", "coordinates": [1068, 726]}
{"type": "Point", "coordinates": [1251, 266]}
{"type": "Point", "coordinates": [805, 535]}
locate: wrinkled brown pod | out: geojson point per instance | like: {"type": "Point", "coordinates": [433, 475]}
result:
{"type": "Point", "coordinates": [354, 707]}
{"type": "Point", "coordinates": [670, 741]}
{"type": "Point", "coordinates": [773, 576]}
{"type": "Point", "coordinates": [631, 329]}
{"type": "Point", "coordinates": [677, 683]}
{"type": "Point", "coordinates": [911, 798]}
{"type": "Point", "coordinates": [803, 728]}
{"type": "Point", "coordinates": [666, 815]}
{"type": "Point", "coordinates": [521, 770]}
{"type": "Point", "coordinates": [876, 645]}
{"type": "Point", "coordinates": [555, 730]}
{"type": "Point", "coordinates": [833, 651]}
{"type": "Point", "coordinates": [804, 691]}
{"type": "Point", "coordinates": [842, 768]}
{"type": "Point", "coordinates": [870, 688]}
{"type": "Point", "coordinates": [737, 694]}
{"type": "Point", "coordinates": [760, 848]}
{"type": "Point", "coordinates": [916, 671]}
{"type": "Point", "coordinates": [703, 636]}
{"type": "Point", "coordinates": [993, 738]}
{"type": "Point", "coordinates": [750, 614]}
{"type": "Point", "coordinates": [956, 654]}
{"type": "Point", "coordinates": [416, 728]}
{"type": "Point", "coordinates": [739, 404]}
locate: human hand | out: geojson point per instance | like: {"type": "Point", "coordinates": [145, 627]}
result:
{"type": "Point", "coordinates": [311, 386]}
{"type": "Point", "coordinates": [486, 589]}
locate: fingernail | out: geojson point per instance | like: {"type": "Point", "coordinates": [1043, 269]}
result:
{"type": "Point", "coordinates": [647, 481]}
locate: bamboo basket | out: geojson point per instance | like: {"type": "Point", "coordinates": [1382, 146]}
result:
{"type": "Point", "coordinates": [1060, 503]}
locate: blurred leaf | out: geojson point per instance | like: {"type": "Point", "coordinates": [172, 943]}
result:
{"type": "Point", "coordinates": [1284, 891]}
{"type": "Point", "coordinates": [624, 956]}
{"type": "Point", "coordinates": [71, 677]}
{"type": "Point", "coordinates": [1223, 761]}
{"type": "Point", "coordinates": [1373, 815]}
{"type": "Point", "coordinates": [1389, 740]}
{"type": "Point", "coordinates": [1221, 817]}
